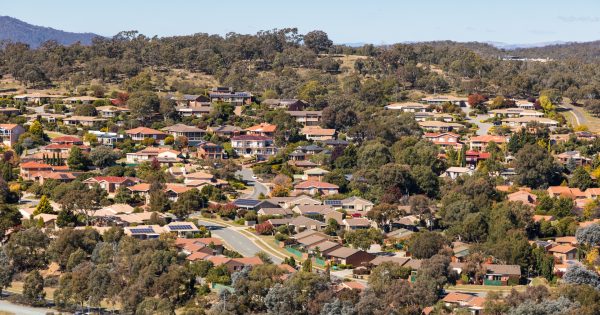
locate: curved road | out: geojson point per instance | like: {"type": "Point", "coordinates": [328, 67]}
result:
{"type": "Point", "coordinates": [7, 306]}
{"type": "Point", "coordinates": [234, 238]}
{"type": "Point", "coordinates": [258, 187]}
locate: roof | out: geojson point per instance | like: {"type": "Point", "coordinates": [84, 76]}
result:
{"type": "Point", "coordinates": [503, 269]}
{"type": "Point", "coordinates": [263, 127]}
{"type": "Point", "coordinates": [144, 130]}
{"type": "Point", "coordinates": [301, 113]}
{"type": "Point", "coordinates": [142, 187]}
{"type": "Point", "coordinates": [66, 139]}
{"type": "Point", "coordinates": [8, 126]}
{"type": "Point", "coordinates": [111, 179]}
{"type": "Point", "coordinates": [315, 184]}
{"type": "Point", "coordinates": [562, 249]}
{"type": "Point", "coordinates": [28, 165]}
{"type": "Point", "coordinates": [313, 209]}
{"type": "Point", "coordinates": [398, 260]}
{"type": "Point", "coordinates": [358, 222]}
{"type": "Point", "coordinates": [317, 131]}
{"type": "Point", "coordinates": [251, 138]}
{"type": "Point", "coordinates": [305, 234]}
{"type": "Point", "coordinates": [312, 239]}
{"type": "Point", "coordinates": [343, 252]}
{"type": "Point", "coordinates": [316, 171]}
{"type": "Point", "coordinates": [305, 221]}
{"type": "Point", "coordinates": [183, 128]}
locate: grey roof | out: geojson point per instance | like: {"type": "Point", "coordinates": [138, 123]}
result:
{"type": "Point", "coordinates": [398, 260]}
{"type": "Point", "coordinates": [503, 269]}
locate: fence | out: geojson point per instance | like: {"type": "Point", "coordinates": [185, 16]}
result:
{"type": "Point", "coordinates": [294, 251]}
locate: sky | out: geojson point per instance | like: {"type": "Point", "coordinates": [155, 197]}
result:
{"type": "Point", "coordinates": [346, 21]}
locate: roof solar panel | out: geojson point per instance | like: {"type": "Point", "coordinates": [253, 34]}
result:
{"type": "Point", "coordinates": [180, 227]}
{"type": "Point", "coordinates": [142, 230]}
{"type": "Point", "coordinates": [247, 202]}
{"type": "Point", "coordinates": [332, 202]}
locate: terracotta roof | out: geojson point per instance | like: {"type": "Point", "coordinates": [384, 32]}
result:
{"type": "Point", "coordinates": [29, 165]}
{"type": "Point", "coordinates": [66, 139]}
{"type": "Point", "coordinates": [563, 249]}
{"type": "Point", "coordinates": [251, 138]}
{"type": "Point", "coordinates": [315, 184]}
{"type": "Point", "coordinates": [144, 130]}
{"type": "Point", "coordinates": [8, 126]}
{"type": "Point", "coordinates": [263, 127]}
{"type": "Point", "coordinates": [199, 256]}
{"type": "Point", "coordinates": [112, 179]}
{"type": "Point", "coordinates": [488, 138]}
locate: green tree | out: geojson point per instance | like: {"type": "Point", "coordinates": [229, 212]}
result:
{"type": "Point", "coordinates": [44, 206]}
{"type": "Point", "coordinates": [77, 160]}
{"type": "Point", "coordinates": [425, 244]}
{"type": "Point", "coordinates": [143, 104]}
{"type": "Point", "coordinates": [536, 168]}
{"type": "Point", "coordinates": [33, 289]}
{"type": "Point", "coordinates": [103, 156]}
{"type": "Point", "coordinates": [581, 179]}
{"type": "Point", "coordinates": [318, 41]}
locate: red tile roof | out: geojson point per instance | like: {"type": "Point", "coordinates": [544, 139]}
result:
{"type": "Point", "coordinates": [316, 184]}
{"type": "Point", "coordinates": [144, 131]}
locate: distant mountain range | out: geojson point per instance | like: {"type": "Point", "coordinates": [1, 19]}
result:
{"type": "Point", "coordinates": [18, 31]}
{"type": "Point", "coordinates": [506, 46]}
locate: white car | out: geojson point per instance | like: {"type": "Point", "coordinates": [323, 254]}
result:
{"type": "Point", "coordinates": [254, 177]}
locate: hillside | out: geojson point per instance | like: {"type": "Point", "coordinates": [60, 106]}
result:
{"type": "Point", "coordinates": [18, 31]}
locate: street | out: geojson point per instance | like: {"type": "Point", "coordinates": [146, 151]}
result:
{"type": "Point", "coordinates": [483, 126]}
{"type": "Point", "coordinates": [240, 243]}
{"type": "Point", "coordinates": [6, 306]}
{"type": "Point", "coordinates": [258, 187]}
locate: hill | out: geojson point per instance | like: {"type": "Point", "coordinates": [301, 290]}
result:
{"type": "Point", "coordinates": [18, 31]}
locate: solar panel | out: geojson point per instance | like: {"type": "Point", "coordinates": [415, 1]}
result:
{"type": "Point", "coordinates": [180, 227]}
{"type": "Point", "coordinates": [142, 230]}
{"type": "Point", "coordinates": [333, 202]}
{"type": "Point", "coordinates": [247, 202]}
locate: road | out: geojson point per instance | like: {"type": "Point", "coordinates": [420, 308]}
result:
{"type": "Point", "coordinates": [578, 113]}
{"type": "Point", "coordinates": [7, 306]}
{"type": "Point", "coordinates": [258, 187]}
{"type": "Point", "coordinates": [483, 127]}
{"type": "Point", "coordinates": [234, 238]}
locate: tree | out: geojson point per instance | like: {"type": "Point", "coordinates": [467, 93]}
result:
{"type": "Point", "coordinates": [589, 235]}
{"type": "Point", "coordinates": [318, 41]}
{"type": "Point", "coordinates": [27, 249]}
{"type": "Point", "coordinates": [103, 156]}
{"type": "Point", "coordinates": [536, 168]}
{"type": "Point", "coordinates": [143, 104]}
{"type": "Point", "coordinates": [581, 179]}
{"type": "Point", "coordinates": [44, 206]}
{"type": "Point", "coordinates": [426, 244]}
{"type": "Point", "coordinates": [36, 129]}
{"type": "Point", "coordinates": [85, 110]}
{"type": "Point", "coordinates": [6, 270]}
{"type": "Point", "coordinates": [363, 239]}
{"type": "Point", "coordinates": [9, 218]}
{"type": "Point", "coordinates": [76, 160]}
{"type": "Point", "coordinates": [188, 202]}
{"type": "Point", "coordinates": [33, 289]}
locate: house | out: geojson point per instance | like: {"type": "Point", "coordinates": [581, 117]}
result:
{"type": "Point", "coordinates": [258, 146]}
{"type": "Point", "coordinates": [80, 100]}
{"type": "Point", "coordinates": [210, 151]}
{"type": "Point", "coordinates": [188, 100]}
{"type": "Point", "coordinates": [441, 99]}
{"type": "Point", "coordinates": [356, 224]}
{"type": "Point", "coordinates": [173, 191]}
{"type": "Point", "coordinates": [307, 118]}
{"type": "Point", "coordinates": [193, 134]}
{"type": "Point", "coordinates": [312, 187]}
{"type": "Point", "coordinates": [312, 210]}
{"type": "Point", "coordinates": [193, 111]}
{"type": "Point", "coordinates": [440, 126]}
{"type": "Point", "coordinates": [323, 248]}
{"type": "Point", "coordinates": [523, 196]}
{"type": "Point", "coordinates": [262, 129]}
{"type": "Point", "coordinates": [314, 174]}
{"type": "Point", "coordinates": [227, 95]}
{"type": "Point", "coordinates": [28, 169]}
{"type": "Point", "coordinates": [566, 192]}
{"type": "Point", "coordinates": [501, 274]}
{"type": "Point", "coordinates": [301, 200]}
{"type": "Point", "coordinates": [350, 256]}
{"type": "Point", "coordinates": [225, 131]}
{"type": "Point", "coordinates": [445, 140]}
{"type": "Point", "coordinates": [162, 155]}
{"type": "Point", "coordinates": [111, 183]}
{"type": "Point", "coordinates": [480, 143]}
{"type": "Point", "coordinates": [10, 133]}
{"type": "Point", "coordinates": [408, 107]}
{"type": "Point", "coordinates": [574, 157]}
{"type": "Point", "coordinates": [235, 264]}
{"type": "Point", "coordinates": [182, 229]}
{"type": "Point", "coordinates": [563, 253]}
{"type": "Point", "coordinates": [37, 98]}
{"type": "Point", "coordinates": [275, 212]}
{"type": "Point", "coordinates": [143, 231]}
{"type": "Point", "coordinates": [524, 121]}
{"type": "Point", "coordinates": [469, 301]}
{"type": "Point", "coordinates": [454, 172]}
{"type": "Point", "coordinates": [9, 111]}
{"type": "Point", "coordinates": [63, 177]}
{"type": "Point", "coordinates": [111, 111]}
{"type": "Point", "coordinates": [515, 113]}
{"type": "Point", "coordinates": [525, 104]}
{"type": "Point", "coordinates": [253, 204]}
{"type": "Point", "coordinates": [351, 204]}
{"type": "Point", "coordinates": [107, 138]}
{"type": "Point", "coordinates": [141, 133]}
{"type": "Point", "coordinates": [474, 157]}
{"type": "Point", "coordinates": [301, 223]}
{"type": "Point", "coordinates": [316, 133]}
{"type": "Point", "coordinates": [86, 121]}
{"type": "Point", "coordinates": [67, 140]}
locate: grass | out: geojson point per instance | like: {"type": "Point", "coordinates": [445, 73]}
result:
{"type": "Point", "coordinates": [6, 313]}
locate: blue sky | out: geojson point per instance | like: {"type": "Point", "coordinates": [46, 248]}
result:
{"type": "Point", "coordinates": [346, 21]}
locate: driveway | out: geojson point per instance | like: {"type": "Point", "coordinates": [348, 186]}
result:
{"type": "Point", "coordinates": [483, 127]}
{"type": "Point", "coordinates": [258, 187]}
{"type": "Point", "coordinates": [240, 242]}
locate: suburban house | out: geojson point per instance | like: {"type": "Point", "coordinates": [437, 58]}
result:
{"type": "Point", "coordinates": [524, 121]}
{"type": "Point", "coordinates": [445, 140]}
{"type": "Point", "coordinates": [225, 131]}
{"type": "Point", "coordinates": [480, 143]}
{"type": "Point", "coordinates": [311, 187]}
{"type": "Point", "coordinates": [111, 183]}
{"type": "Point", "coordinates": [80, 100]}
{"type": "Point", "coordinates": [10, 133]}
{"type": "Point", "coordinates": [28, 169]}
{"type": "Point", "coordinates": [351, 204]}
{"type": "Point", "coordinates": [262, 129]}
{"type": "Point", "coordinates": [316, 133]}
{"type": "Point", "coordinates": [440, 126]}
{"type": "Point", "coordinates": [349, 256]}
{"type": "Point", "coordinates": [141, 133]}
{"type": "Point", "coordinates": [307, 118]}
{"type": "Point", "coordinates": [351, 224]}
{"type": "Point", "coordinates": [471, 302]}
{"type": "Point", "coordinates": [162, 155]}
{"type": "Point", "coordinates": [227, 95]}
{"type": "Point", "coordinates": [107, 138]}
{"type": "Point", "coordinates": [193, 111]}
{"type": "Point", "coordinates": [9, 111]}
{"type": "Point", "coordinates": [566, 192]}
{"type": "Point", "coordinates": [209, 150]}
{"type": "Point", "coordinates": [258, 146]}
{"type": "Point", "coordinates": [182, 229]}
{"type": "Point", "coordinates": [441, 99]}
{"type": "Point", "coordinates": [501, 274]}
{"type": "Point", "coordinates": [87, 121]}
{"type": "Point", "coordinates": [193, 134]}
{"type": "Point", "coordinates": [525, 104]}
{"type": "Point", "coordinates": [409, 107]}
{"type": "Point", "coordinates": [563, 253]}
{"type": "Point", "coordinates": [572, 157]}
{"type": "Point", "coordinates": [188, 100]}
{"type": "Point", "coordinates": [474, 157]}
{"type": "Point", "coordinates": [523, 196]}
{"type": "Point", "coordinates": [454, 172]}
{"type": "Point", "coordinates": [514, 113]}
{"type": "Point", "coordinates": [312, 210]}
{"type": "Point", "coordinates": [110, 111]}
{"type": "Point", "coordinates": [314, 174]}
{"type": "Point", "coordinates": [37, 98]}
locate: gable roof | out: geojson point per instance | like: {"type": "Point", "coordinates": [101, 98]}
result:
{"type": "Point", "coordinates": [315, 184]}
{"type": "Point", "coordinates": [144, 131]}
